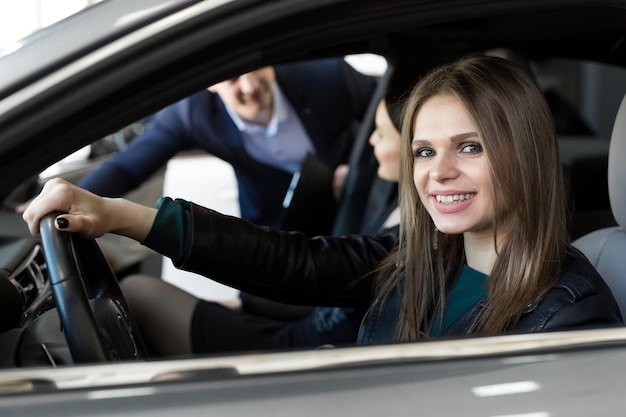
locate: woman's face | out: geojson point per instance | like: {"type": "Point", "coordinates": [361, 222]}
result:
{"type": "Point", "coordinates": [386, 142]}
{"type": "Point", "coordinates": [451, 171]}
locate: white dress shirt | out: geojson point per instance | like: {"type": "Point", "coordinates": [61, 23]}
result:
{"type": "Point", "coordinates": [284, 143]}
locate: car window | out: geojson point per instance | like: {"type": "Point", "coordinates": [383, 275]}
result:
{"type": "Point", "coordinates": [147, 69]}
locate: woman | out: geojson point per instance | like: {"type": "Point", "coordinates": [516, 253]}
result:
{"type": "Point", "coordinates": [482, 247]}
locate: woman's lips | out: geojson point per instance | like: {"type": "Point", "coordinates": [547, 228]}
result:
{"type": "Point", "coordinates": [452, 202]}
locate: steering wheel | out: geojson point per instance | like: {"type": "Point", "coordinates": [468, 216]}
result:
{"type": "Point", "coordinates": [94, 315]}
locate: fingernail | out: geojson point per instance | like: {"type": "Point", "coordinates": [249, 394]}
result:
{"type": "Point", "coordinates": [62, 223]}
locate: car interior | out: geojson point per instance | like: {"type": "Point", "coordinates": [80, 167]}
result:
{"type": "Point", "coordinates": [605, 246]}
{"type": "Point", "coordinates": [584, 156]}
{"type": "Point", "coordinates": [590, 146]}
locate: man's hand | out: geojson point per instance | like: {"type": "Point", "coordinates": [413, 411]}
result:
{"type": "Point", "coordinates": [339, 180]}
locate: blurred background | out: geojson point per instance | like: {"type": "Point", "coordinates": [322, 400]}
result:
{"type": "Point", "coordinates": [21, 18]}
{"type": "Point", "coordinates": [184, 175]}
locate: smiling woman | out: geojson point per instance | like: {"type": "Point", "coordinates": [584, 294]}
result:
{"type": "Point", "coordinates": [481, 129]}
{"type": "Point", "coordinates": [489, 270]}
{"type": "Point", "coordinates": [111, 65]}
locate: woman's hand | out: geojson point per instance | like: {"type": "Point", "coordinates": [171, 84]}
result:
{"type": "Point", "coordinates": [88, 214]}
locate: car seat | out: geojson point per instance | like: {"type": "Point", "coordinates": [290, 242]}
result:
{"type": "Point", "coordinates": [362, 174]}
{"type": "Point", "coordinates": [606, 248]}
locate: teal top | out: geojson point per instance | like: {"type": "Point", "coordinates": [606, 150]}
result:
{"type": "Point", "coordinates": [465, 294]}
{"type": "Point", "coordinates": [170, 235]}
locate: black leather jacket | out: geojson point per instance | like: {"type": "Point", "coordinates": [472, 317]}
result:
{"type": "Point", "coordinates": [291, 268]}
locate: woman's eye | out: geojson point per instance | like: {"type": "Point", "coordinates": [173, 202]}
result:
{"type": "Point", "coordinates": [472, 148]}
{"type": "Point", "coordinates": [423, 153]}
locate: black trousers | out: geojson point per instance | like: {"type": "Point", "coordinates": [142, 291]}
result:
{"type": "Point", "coordinates": [216, 328]}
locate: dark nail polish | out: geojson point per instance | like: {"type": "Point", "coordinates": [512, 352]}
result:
{"type": "Point", "coordinates": [62, 223]}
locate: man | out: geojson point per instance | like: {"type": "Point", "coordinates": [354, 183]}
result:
{"type": "Point", "coordinates": [264, 123]}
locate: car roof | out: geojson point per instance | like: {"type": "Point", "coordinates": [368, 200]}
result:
{"type": "Point", "coordinates": [534, 27]}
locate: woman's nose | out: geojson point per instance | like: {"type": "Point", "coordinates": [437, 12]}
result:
{"type": "Point", "coordinates": [373, 137]}
{"type": "Point", "coordinates": [443, 167]}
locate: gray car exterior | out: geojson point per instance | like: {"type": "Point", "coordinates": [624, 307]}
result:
{"type": "Point", "coordinates": [118, 61]}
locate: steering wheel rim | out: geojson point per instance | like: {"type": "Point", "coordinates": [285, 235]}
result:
{"type": "Point", "coordinates": [87, 295]}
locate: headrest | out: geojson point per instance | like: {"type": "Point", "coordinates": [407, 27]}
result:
{"type": "Point", "coordinates": [617, 167]}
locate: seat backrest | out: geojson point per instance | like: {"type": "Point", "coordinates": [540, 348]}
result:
{"type": "Point", "coordinates": [362, 173]}
{"type": "Point", "coordinates": [606, 248]}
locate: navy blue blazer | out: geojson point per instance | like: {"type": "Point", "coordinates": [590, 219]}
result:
{"type": "Point", "coordinates": [328, 95]}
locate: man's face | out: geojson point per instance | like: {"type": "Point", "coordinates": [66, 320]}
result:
{"type": "Point", "coordinates": [249, 95]}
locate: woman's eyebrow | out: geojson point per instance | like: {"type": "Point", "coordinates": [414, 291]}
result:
{"type": "Point", "coordinates": [416, 142]}
{"type": "Point", "coordinates": [455, 138]}
{"type": "Point", "coordinates": [464, 136]}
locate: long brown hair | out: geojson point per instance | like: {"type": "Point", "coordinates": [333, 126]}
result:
{"type": "Point", "coordinates": [519, 141]}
